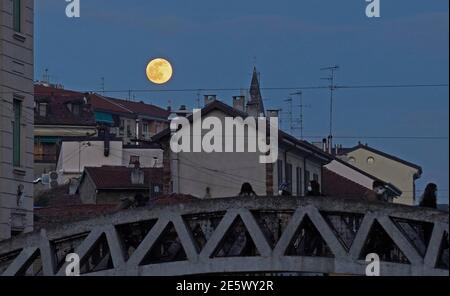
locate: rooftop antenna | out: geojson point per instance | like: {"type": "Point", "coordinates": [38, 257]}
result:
{"type": "Point", "coordinates": [103, 85]}
{"type": "Point", "coordinates": [290, 115]}
{"type": "Point", "coordinates": [301, 106]}
{"type": "Point", "coordinates": [45, 76]}
{"type": "Point", "coordinates": [332, 70]}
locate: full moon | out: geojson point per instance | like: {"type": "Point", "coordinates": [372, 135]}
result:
{"type": "Point", "coordinates": [159, 71]}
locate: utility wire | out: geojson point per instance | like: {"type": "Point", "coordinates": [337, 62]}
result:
{"type": "Point", "coordinates": [238, 89]}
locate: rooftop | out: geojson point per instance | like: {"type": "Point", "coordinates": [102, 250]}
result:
{"type": "Point", "coordinates": [98, 102]}
{"type": "Point", "coordinates": [119, 177]}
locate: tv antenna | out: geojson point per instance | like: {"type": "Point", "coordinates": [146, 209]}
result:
{"type": "Point", "coordinates": [301, 106]}
{"type": "Point", "coordinates": [331, 78]}
{"type": "Point", "coordinates": [103, 85]}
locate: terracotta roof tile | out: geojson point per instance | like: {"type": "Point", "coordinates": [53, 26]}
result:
{"type": "Point", "coordinates": [119, 177]}
{"type": "Point", "coordinates": [57, 112]}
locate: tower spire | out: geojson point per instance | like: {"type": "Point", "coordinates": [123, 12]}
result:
{"type": "Point", "coordinates": [255, 104]}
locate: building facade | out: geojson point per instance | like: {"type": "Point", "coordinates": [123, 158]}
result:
{"type": "Point", "coordinates": [77, 153]}
{"type": "Point", "coordinates": [58, 114]}
{"type": "Point", "coordinates": [16, 117]}
{"type": "Point", "coordinates": [391, 169]}
{"type": "Point", "coordinates": [221, 174]}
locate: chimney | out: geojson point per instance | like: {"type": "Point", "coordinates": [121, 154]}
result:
{"type": "Point", "coordinates": [273, 112]}
{"type": "Point", "coordinates": [239, 103]}
{"type": "Point", "coordinates": [324, 145]}
{"type": "Point", "coordinates": [183, 111]}
{"type": "Point", "coordinates": [330, 144]}
{"type": "Point", "coordinates": [137, 175]}
{"type": "Point", "coordinates": [209, 99]}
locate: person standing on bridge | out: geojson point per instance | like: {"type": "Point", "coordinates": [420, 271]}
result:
{"type": "Point", "coordinates": [429, 200]}
{"type": "Point", "coordinates": [429, 197]}
{"type": "Point", "coordinates": [247, 190]}
{"type": "Point", "coordinates": [378, 193]}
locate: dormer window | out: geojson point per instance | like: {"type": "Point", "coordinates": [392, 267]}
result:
{"type": "Point", "coordinates": [74, 108]}
{"type": "Point", "coordinates": [42, 109]}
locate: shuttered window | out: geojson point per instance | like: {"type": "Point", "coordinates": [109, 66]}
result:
{"type": "Point", "coordinates": [17, 15]}
{"type": "Point", "coordinates": [17, 107]}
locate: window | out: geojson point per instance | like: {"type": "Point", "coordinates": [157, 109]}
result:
{"type": "Point", "coordinates": [17, 15]}
{"type": "Point", "coordinates": [134, 159]}
{"type": "Point", "coordinates": [316, 177]}
{"type": "Point", "coordinates": [289, 176]}
{"type": "Point", "coordinates": [370, 160]}
{"type": "Point", "coordinates": [42, 109]}
{"type": "Point", "coordinates": [299, 180]}
{"type": "Point", "coordinates": [351, 159]}
{"type": "Point", "coordinates": [280, 171]}
{"type": "Point", "coordinates": [128, 130]}
{"type": "Point", "coordinates": [17, 108]}
{"type": "Point", "coordinates": [145, 128]}
{"type": "Point", "coordinates": [156, 190]}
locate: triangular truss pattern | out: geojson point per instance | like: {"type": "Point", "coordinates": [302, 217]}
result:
{"type": "Point", "coordinates": [202, 227]}
{"type": "Point", "coordinates": [236, 242]}
{"type": "Point", "coordinates": [379, 242]}
{"type": "Point", "coordinates": [442, 261]}
{"type": "Point", "coordinates": [98, 257]}
{"type": "Point", "coordinates": [418, 233]}
{"type": "Point", "coordinates": [62, 247]}
{"type": "Point", "coordinates": [265, 235]}
{"type": "Point", "coordinates": [132, 234]}
{"type": "Point", "coordinates": [344, 225]}
{"type": "Point", "coordinates": [307, 241]}
{"type": "Point", "coordinates": [33, 266]}
{"type": "Point", "coordinates": [272, 224]}
{"type": "Point", "coordinates": [7, 259]}
{"type": "Point", "coordinates": [167, 248]}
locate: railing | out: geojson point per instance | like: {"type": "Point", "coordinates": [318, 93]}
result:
{"type": "Point", "coordinates": [241, 235]}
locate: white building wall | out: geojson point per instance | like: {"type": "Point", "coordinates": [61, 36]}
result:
{"type": "Point", "coordinates": [76, 155]}
{"type": "Point", "coordinates": [224, 173]}
{"type": "Point", "coordinates": [16, 82]}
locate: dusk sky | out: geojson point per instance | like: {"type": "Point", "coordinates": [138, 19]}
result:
{"type": "Point", "coordinates": [215, 44]}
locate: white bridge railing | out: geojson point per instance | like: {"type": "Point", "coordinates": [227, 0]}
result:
{"type": "Point", "coordinates": [241, 235]}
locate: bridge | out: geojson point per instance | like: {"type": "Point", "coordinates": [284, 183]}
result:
{"type": "Point", "coordinates": [261, 235]}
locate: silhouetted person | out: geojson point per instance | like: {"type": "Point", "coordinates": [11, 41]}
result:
{"type": "Point", "coordinates": [313, 188]}
{"type": "Point", "coordinates": [207, 193]}
{"type": "Point", "coordinates": [247, 190]}
{"type": "Point", "coordinates": [140, 200]}
{"type": "Point", "coordinates": [378, 192]}
{"type": "Point", "coordinates": [429, 200]}
{"type": "Point", "coordinates": [429, 197]}
{"type": "Point", "coordinates": [283, 190]}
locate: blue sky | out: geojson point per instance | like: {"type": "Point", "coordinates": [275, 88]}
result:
{"type": "Point", "coordinates": [214, 44]}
